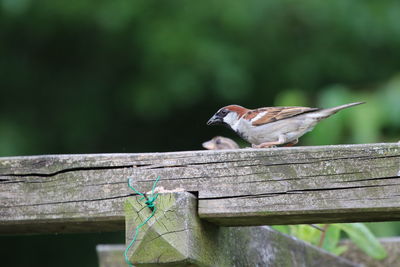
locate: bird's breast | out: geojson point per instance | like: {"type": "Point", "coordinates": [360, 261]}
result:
{"type": "Point", "coordinates": [291, 129]}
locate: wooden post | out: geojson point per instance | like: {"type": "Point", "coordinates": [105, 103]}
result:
{"type": "Point", "coordinates": [176, 236]}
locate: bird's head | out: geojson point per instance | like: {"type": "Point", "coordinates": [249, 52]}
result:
{"type": "Point", "coordinates": [220, 142]}
{"type": "Point", "coordinates": [228, 115]}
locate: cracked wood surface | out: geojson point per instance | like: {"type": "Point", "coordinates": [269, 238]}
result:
{"type": "Point", "coordinates": [76, 193]}
{"type": "Point", "coordinates": [175, 236]}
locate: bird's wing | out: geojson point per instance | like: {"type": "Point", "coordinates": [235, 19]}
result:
{"type": "Point", "coordinates": [270, 114]}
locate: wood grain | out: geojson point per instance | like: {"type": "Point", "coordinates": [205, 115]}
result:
{"type": "Point", "coordinates": [73, 193]}
{"type": "Point", "coordinates": [175, 236]}
{"type": "Point", "coordinates": [112, 255]}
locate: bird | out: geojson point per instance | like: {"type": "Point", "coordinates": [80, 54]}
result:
{"type": "Point", "coordinates": [219, 143]}
{"type": "Point", "coordinates": [272, 126]}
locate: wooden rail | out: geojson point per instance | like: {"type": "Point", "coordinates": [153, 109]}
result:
{"type": "Point", "coordinates": [112, 255]}
{"type": "Point", "coordinates": [80, 193]}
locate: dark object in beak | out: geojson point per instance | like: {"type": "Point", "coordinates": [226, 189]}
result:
{"type": "Point", "coordinates": [215, 120]}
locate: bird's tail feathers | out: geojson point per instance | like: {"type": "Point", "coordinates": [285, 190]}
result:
{"type": "Point", "coordinates": [330, 111]}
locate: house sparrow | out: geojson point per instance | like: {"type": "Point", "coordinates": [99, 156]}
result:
{"type": "Point", "coordinates": [219, 142]}
{"type": "Point", "coordinates": [271, 126]}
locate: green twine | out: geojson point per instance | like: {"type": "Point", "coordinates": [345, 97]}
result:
{"type": "Point", "coordinates": [150, 203]}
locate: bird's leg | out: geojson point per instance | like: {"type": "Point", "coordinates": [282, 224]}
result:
{"type": "Point", "coordinates": [291, 143]}
{"type": "Point", "coordinates": [266, 145]}
{"type": "Point", "coordinates": [281, 140]}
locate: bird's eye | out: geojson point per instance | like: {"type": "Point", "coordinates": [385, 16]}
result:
{"type": "Point", "coordinates": [223, 112]}
{"type": "Point", "coordinates": [218, 141]}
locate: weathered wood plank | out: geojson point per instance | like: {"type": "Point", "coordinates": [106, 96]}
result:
{"type": "Point", "coordinates": [112, 255]}
{"type": "Point", "coordinates": [176, 236]}
{"type": "Point", "coordinates": [67, 193]}
{"type": "Point", "coordinates": [173, 236]}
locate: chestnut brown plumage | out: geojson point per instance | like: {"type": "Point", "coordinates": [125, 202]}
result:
{"type": "Point", "coordinates": [272, 126]}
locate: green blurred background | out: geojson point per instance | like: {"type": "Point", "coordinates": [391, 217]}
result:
{"type": "Point", "coordinates": [138, 76]}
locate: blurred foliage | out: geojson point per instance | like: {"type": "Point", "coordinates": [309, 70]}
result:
{"type": "Point", "coordinates": [375, 121]}
{"type": "Point", "coordinates": [137, 76]}
{"type": "Point", "coordinates": [96, 76]}
{"type": "Point", "coordinates": [363, 238]}
{"type": "Point", "coordinates": [330, 236]}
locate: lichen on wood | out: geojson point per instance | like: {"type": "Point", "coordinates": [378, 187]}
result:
{"type": "Point", "coordinates": [81, 193]}
{"type": "Point", "coordinates": [176, 236]}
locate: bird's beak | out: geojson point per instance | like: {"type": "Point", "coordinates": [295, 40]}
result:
{"type": "Point", "coordinates": [209, 145]}
{"type": "Point", "coordinates": [215, 120]}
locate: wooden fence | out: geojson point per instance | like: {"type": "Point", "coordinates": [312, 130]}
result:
{"type": "Point", "coordinates": [246, 187]}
